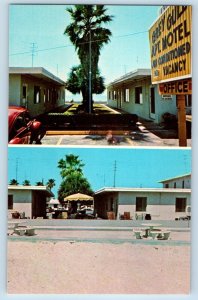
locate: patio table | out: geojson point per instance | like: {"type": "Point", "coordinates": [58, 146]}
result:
{"type": "Point", "coordinates": [150, 227]}
{"type": "Point", "coordinates": [13, 224]}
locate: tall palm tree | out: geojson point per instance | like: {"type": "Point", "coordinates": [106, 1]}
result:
{"type": "Point", "coordinates": [39, 183]}
{"type": "Point", "coordinates": [71, 164]}
{"type": "Point", "coordinates": [73, 177]}
{"type": "Point", "coordinates": [51, 183]}
{"type": "Point", "coordinates": [74, 184]}
{"type": "Point", "coordinates": [88, 35]}
{"type": "Point", "coordinates": [76, 82]}
{"type": "Point", "coordinates": [26, 182]}
{"type": "Point", "coordinates": [13, 182]}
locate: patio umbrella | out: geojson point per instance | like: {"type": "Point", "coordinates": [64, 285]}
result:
{"type": "Point", "coordinates": [78, 197]}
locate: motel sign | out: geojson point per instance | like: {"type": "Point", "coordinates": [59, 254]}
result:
{"type": "Point", "coordinates": [171, 53]}
{"type": "Point", "coordinates": [170, 45]}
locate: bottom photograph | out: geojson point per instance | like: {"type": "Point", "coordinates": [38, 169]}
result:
{"type": "Point", "coordinates": [98, 220]}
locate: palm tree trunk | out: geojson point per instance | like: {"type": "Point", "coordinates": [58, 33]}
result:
{"type": "Point", "coordinates": [87, 106]}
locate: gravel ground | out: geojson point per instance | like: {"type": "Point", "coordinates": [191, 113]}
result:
{"type": "Point", "coordinates": [70, 267]}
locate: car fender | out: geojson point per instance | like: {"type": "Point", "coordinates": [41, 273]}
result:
{"type": "Point", "coordinates": [36, 125]}
{"type": "Point", "coordinates": [18, 140]}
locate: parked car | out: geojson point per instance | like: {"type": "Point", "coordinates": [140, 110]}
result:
{"type": "Point", "coordinates": [23, 130]}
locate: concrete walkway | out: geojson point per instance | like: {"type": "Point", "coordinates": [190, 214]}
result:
{"type": "Point", "coordinates": [101, 231]}
{"type": "Point", "coordinates": [140, 138]}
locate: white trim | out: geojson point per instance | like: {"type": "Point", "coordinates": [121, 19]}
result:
{"type": "Point", "coordinates": [36, 71]}
{"type": "Point", "coordinates": [131, 76]}
{"type": "Point", "coordinates": [172, 79]}
{"type": "Point", "coordinates": [149, 190]}
{"type": "Point", "coordinates": [30, 188]}
{"type": "Point", "coordinates": [176, 177]}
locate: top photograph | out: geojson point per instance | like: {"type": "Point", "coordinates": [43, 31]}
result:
{"type": "Point", "coordinates": [100, 75]}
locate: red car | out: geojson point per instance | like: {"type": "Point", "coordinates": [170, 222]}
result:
{"type": "Point", "coordinates": [23, 130]}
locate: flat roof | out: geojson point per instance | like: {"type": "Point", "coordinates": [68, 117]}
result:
{"type": "Point", "coordinates": [37, 72]}
{"type": "Point", "coordinates": [176, 177]}
{"type": "Point", "coordinates": [132, 76]}
{"type": "Point", "coordinates": [141, 190]}
{"type": "Point", "coordinates": [38, 188]}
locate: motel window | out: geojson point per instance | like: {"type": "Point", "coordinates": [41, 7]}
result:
{"type": "Point", "coordinates": [114, 95]}
{"type": "Point", "coordinates": [166, 185]}
{"type": "Point", "coordinates": [37, 94]}
{"type": "Point", "coordinates": [60, 94]}
{"type": "Point", "coordinates": [180, 204]}
{"type": "Point", "coordinates": [53, 96]}
{"type": "Point", "coordinates": [175, 185]}
{"type": "Point", "coordinates": [188, 100]}
{"type": "Point", "coordinates": [24, 95]}
{"type": "Point", "coordinates": [121, 95]}
{"type": "Point", "coordinates": [44, 96]}
{"type": "Point", "coordinates": [10, 201]}
{"type": "Point", "coordinates": [141, 203]}
{"type": "Point", "coordinates": [127, 95]}
{"type": "Point", "coordinates": [183, 184]}
{"type": "Point", "coordinates": [118, 94]}
{"type": "Point", "coordinates": [138, 95]}
{"type": "Point", "coordinates": [24, 91]}
{"type": "Point", "coordinates": [48, 95]}
{"type": "Point", "coordinates": [57, 96]}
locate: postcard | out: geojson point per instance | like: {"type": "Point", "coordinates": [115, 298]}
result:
{"type": "Point", "coordinates": [99, 149]}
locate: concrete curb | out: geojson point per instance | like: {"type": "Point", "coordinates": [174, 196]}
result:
{"type": "Point", "coordinates": [81, 228]}
{"type": "Point", "coordinates": [71, 240]}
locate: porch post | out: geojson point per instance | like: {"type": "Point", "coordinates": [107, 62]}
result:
{"type": "Point", "coordinates": [181, 120]}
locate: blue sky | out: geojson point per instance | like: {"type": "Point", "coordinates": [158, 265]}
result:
{"type": "Point", "coordinates": [134, 167]}
{"type": "Point", "coordinates": [44, 26]}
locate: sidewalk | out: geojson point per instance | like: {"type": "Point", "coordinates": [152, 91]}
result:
{"type": "Point", "coordinates": [101, 234]}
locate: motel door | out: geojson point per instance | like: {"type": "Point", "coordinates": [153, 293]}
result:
{"type": "Point", "coordinates": [152, 102]}
{"type": "Point", "coordinates": [119, 101]}
{"type": "Point", "coordinates": [24, 96]}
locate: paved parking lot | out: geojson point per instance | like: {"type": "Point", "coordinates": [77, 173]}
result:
{"type": "Point", "coordinates": [136, 138]}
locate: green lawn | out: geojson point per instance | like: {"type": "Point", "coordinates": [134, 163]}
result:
{"type": "Point", "coordinates": [98, 109]}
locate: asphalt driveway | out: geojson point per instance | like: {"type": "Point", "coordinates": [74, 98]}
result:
{"type": "Point", "coordinates": [141, 137]}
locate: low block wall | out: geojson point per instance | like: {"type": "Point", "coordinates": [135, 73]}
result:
{"type": "Point", "coordinates": [90, 121]}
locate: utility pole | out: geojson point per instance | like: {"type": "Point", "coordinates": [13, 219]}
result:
{"type": "Point", "coordinates": [33, 53]}
{"type": "Point", "coordinates": [124, 69]}
{"type": "Point", "coordinates": [90, 71]}
{"type": "Point", "coordinates": [185, 163]}
{"type": "Point", "coordinates": [16, 169]}
{"type": "Point", "coordinates": [114, 174]}
{"type": "Point", "coordinates": [137, 62]}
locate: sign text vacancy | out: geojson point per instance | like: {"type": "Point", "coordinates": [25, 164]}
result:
{"type": "Point", "coordinates": [170, 45]}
